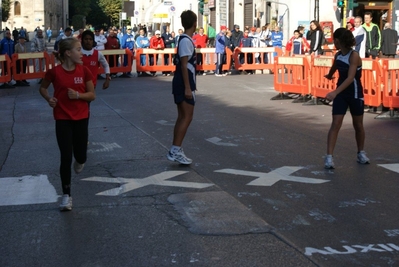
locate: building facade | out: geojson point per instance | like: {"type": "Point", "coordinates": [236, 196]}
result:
{"type": "Point", "coordinates": [43, 13]}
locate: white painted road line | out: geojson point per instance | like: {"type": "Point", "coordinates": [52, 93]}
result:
{"type": "Point", "coordinates": [392, 167]}
{"type": "Point", "coordinates": [26, 190]}
{"type": "Point", "coordinates": [216, 141]}
{"type": "Point", "coordinates": [130, 184]}
{"type": "Point", "coordinates": [270, 178]}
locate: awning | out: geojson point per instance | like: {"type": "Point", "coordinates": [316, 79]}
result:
{"type": "Point", "coordinates": [160, 14]}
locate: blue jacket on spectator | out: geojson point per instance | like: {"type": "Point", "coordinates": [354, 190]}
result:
{"type": "Point", "coordinates": [220, 43]}
{"type": "Point", "coordinates": [7, 47]}
{"type": "Point", "coordinates": [128, 41]}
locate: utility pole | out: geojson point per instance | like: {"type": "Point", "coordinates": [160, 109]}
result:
{"type": "Point", "coordinates": [316, 10]}
{"type": "Point", "coordinates": [1, 15]}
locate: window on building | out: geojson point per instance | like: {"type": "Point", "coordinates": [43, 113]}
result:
{"type": "Point", "coordinates": [17, 8]}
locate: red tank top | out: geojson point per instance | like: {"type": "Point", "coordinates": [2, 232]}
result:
{"type": "Point", "coordinates": [91, 62]}
{"type": "Point", "coordinates": [69, 109]}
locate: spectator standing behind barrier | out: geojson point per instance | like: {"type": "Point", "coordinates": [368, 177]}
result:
{"type": "Point", "coordinates": [168, 40]}
{"type": "Point", "coordinates": [373, 36]}
{"type": "Point", "coordinates": [236, 36]}
{"type": "Point", "coordinates": [15, 35]}
{"type": "Point", "coordinates": [184, 86]}
{"type": "Point", "coordinates": [389, 41]}
{"type": "Point", "coordinates": [360, 37]}
{"type": "Point", "coordinates": [7, 47]}
{"type": "Point", "coordinates": [348, 94]}
{"type": "Point", "coordinates": [92, 58]}
{"type": "Point", "coordinates": [211, 35]}
{"type": "Point", "coordinates": [38, 44]}
{"type": "Point", "coordinates": [220, 51]}
{"type": "Point", "coordinates": [22, 32]}
{"type": "Point", "coordinates": [112, 43]}
{"type": "Point", "coordinates": [200, 40]}
{"type": "Point", "coordinates": [99, 39]}
{"type": "Point", "coordinates": [20, 48]}
{"type": "Point", "coordinates": [127, 42]}
{"type": "Point", "coordinates": [254, 34]}
{"type": "Point", "coordinates": [49, 34]}
{"type": "Point", "coordinates": [246, 41]}
{"type": "Point", "coordinates": [156, 42]}
{"type": "Point", "coordinates": [299, 45]}
{"type": "Point", "coordinates": [142, 42]}
{"type": "Point", "coordinates": [64, 35]}
{"type": "Point", "coordinates": [315, 37]}
{"type": "Point", "coordinates": [228, 42]}
{"type": "Point", "coordinates": [179, 32]}
{"type": "Point", "coordinates": [73, 88]}
{"type": "Point", "coordinates": [263, 40]}
{"type": "Point", "coordinates": [277, 39]}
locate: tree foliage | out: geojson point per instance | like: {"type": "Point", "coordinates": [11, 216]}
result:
{"type": "Point", "coordinates": [111, 9]}
{"type": "Point", "coordinates": [5, 10]}
{"type": "Point", "coordinates": [79, 7]}
{"type": "Point", "coordinates": [97, 12]}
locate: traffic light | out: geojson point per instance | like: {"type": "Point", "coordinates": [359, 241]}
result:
{"type": "Point", "coordinates": [201, 4]}
{"type": "Point", "coordinates": [352, 4]}
{"type": "Point", "coordinates": [341, 3]}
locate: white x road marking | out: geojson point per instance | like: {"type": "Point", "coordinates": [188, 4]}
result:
{"type": "Point", "coordinates": [270, 178]}
{"type": "Point", "coordinates": [130, 184]}
{"type": "Point", "coordinates": [393, 167]}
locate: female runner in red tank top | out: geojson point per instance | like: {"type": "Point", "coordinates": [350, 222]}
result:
{"type": "Point", "coordinates": [73, 89]}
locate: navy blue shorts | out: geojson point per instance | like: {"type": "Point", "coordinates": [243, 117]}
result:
{"type": "Point", "coordinates": [343, 102]}
{"type": "Point", "coordinates": [180, 98]}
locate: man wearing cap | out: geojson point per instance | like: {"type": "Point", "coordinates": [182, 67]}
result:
{"type": "Point", "coordinates": [99, 39]}
{"type": "Point", "coordinates": [20, 47]}
{"type": "Point", "coordinates": [236, 36]}
{"type": "Point", "coordinates": [157, 43]}
{"type": "Point", "coordinates": [220, 51]}
{"type": "Point", "coordinates": [127, 42]}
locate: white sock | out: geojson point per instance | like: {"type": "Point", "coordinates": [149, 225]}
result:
{"type": "Point", "coordinates": [175, 149]}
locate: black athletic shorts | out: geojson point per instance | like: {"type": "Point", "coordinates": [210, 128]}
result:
{"type": "Point", "coordinates": [343, 102]}
{"type": "Point", "coordinates": [180, 98]}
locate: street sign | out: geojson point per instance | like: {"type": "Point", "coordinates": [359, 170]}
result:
{"type": "Point", "coordinates": [136, 12]}
{"type": "Point", "coordinates": [172, 8]}
{"type": "Point", "coordinates": [167, 3]}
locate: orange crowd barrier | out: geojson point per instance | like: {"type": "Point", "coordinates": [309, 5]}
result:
{"type": "Point", "coordinates": [5, 65]}
{"type": "Point", "coordinates": [209, 59]}
{"type": "Point", "coordinates": [40, 64]}
{"type": "Point", "coordinates": [161, 60]}
{"type": "Point", "coordinates": [320, 86]}
{"type": "Point", "coordinates": [390, 80]}
{"type": "Point", "coordinates": [372, 82]}
{"type": "Point", "coordinates": [116, 59]}
{"type": "Point", "coordinates": [292, 75]}
{"type": "Point", "coordinates": [328, 50]}
{"type": "Point", "coordinates": [253, 58]}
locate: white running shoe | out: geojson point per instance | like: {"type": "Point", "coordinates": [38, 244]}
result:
{"type": "Point", "coordinates": [362, 158]}
{"type": "Point", "coordinates": [78, 167]}
{"type": "Point", "coordinates": [66, 203]}
{"type": "Point", "coordinates": [329, 162]}
{"type": "Point", "coordinates": [179, 157]}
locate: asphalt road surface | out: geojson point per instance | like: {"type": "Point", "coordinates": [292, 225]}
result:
{"type": "Point", "coordinates": [256, 194]}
